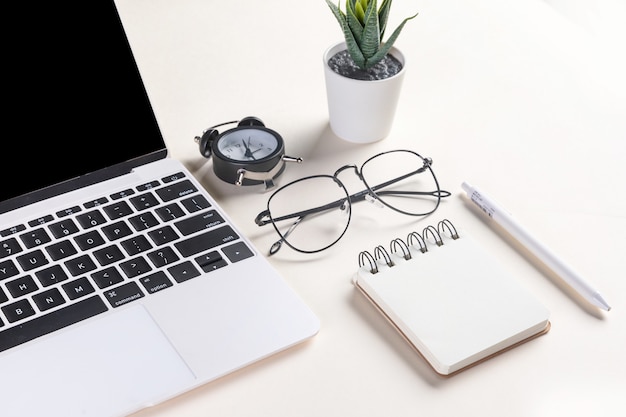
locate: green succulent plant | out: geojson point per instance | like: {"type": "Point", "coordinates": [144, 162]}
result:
{"type": "Point", "coordinates": [363, 25]}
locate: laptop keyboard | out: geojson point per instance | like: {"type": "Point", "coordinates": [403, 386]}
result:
{"type": "Point", "coordinates": [68, 266]}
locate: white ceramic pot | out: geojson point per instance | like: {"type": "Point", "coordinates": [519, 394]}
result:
{"type": "Point", "coordinates": [361, 111]}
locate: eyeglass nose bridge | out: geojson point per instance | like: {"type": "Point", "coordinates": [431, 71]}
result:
{"type": "Point", "coordinates": [349, 166]}
{"type": "Point", "coordinates": [366, 194]}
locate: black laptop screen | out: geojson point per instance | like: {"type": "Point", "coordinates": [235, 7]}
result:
{"type": "Point", "coordinates": [73, 98]}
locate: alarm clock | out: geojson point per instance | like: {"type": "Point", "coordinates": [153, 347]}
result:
{"type": "Point", "coordinates": [248, 154]}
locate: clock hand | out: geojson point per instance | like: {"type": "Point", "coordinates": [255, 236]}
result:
{"type": "Point", "coordinates": [248, 153]}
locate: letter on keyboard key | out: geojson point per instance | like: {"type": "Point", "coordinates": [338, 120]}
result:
{"type": "Point", "coordinates": [18, 310]}
{"type": "Point", "coordinates": [80, 265]}
{"type": "Point", "coordinates": [61, 250]}
{"type": "Point", "coordinates": [78, 288]}
{"type": "Point", "coordinates": [32, 260]}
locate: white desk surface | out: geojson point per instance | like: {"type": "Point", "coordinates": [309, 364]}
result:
{"type": "Point", "coordinates": [509, 95]}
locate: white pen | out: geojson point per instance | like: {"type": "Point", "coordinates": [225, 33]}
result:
{"type": "Point", "coordinates": [504, 219]}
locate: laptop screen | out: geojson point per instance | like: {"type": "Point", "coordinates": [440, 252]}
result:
{"type": "Point", "coordinates": [73, 99]}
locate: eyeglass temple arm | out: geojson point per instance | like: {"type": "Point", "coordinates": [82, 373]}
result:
{"type": "Point", "coordinates": [263, 218]}
{"type": "Point", "coordinates": [437, 193]}
{"type": "Point", "coordinates": [279, 243]}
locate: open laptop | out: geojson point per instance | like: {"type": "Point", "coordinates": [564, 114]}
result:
{"type": "Point", "coordinates": [122, 282]}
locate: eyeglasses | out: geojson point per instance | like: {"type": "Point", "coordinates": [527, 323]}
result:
{"type": "Point", "coordinates": [311, 214]}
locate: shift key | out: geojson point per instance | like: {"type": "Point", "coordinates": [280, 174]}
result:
{"type": "Point", "coordinates": [199, 222]}
{"type": "Point", "coordinates": [206, 241]}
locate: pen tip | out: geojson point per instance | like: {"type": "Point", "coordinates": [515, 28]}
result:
{"type": "Point", "coordinates": [600, 302]}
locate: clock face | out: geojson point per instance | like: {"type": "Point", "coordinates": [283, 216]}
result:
{"type": "Point", "coordinates": [247, 144]}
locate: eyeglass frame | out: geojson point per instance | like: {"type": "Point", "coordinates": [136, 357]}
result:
{"type": "Point", "coordinates": [264, 217]}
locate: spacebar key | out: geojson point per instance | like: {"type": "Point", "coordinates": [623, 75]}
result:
{"type": "Point", "coordinates": [206, 241]}
{"type": "Point", "coordinates": [50, 322]}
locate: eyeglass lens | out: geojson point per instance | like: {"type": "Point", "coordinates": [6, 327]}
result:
{"type": "Point", "coordinates": [401, 181]}
{"type": "Point", "coordinates": [313, 213]}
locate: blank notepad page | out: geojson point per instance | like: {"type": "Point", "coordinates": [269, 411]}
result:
{"type": "Point", "coordinates": [455, 303]}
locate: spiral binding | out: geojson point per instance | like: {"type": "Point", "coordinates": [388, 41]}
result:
{"type": "Point", "coordinates": [414, 239]}
{"type": "Point", "coordinates": [379, 252]}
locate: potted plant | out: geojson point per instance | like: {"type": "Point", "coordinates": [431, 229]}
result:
{"type": "Point", "coordinates": [363, 73]}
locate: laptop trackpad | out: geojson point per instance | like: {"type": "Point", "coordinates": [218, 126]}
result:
{"type": "Point", "coordinates": [127, 347]}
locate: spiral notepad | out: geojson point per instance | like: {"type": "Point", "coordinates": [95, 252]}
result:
{"type": "Point", "coordinates": [453, 301]}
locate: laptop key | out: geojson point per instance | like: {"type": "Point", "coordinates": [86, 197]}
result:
{"type": "Point", "coordinates": [21, 286]}
{"type": "Point", "coordinates": [173, 177]}
{"type": "Point", "coordinates": [196, 203]}
{"type": "Point", "coordinates": [51, 322]}
{"type": "Point", "coordinates": [90, 219]}
{"type": "Point", "coordinates": [48, 299]}
{"type": "Point", "coordinates": [170, 212]}
{"type": "Point", "coordinates": [12, 230]}
{"type": "Point", "coordinates": [183, 271]}
{"type": "Point", "coordinates": [122, 194]}
{"type": "Point", "coordinates": [143, 221]}
{"type": "Point", "coordinates": [9, 247]}
{"type": "Point", "coordinates": [156, 282]}
{"type": "Point", "coordinates": [80, 265]}
{"type": "Point", "coordinates": [18, 310]}
{"type": "Point", "coordinates": [163, 256]}
{"type": "Point", "coordinates": [32, 260]}
{"type": "Point", "coordinates": [117, 230]}
{"type": "Point", "coordinates": [135, 267]}
{"type": "Point", "coordinates": [237, 251]}
{"type": "Point", "coordinates": [206, 241]}
{"type": "Point", "coordinates": [163, 235]}
{"type": "Point", "coordinates": [41, 220]}
{"type": "Point", "coordinates": [148, 186]}
{"type": "Point", "coordinates": [118, 210]}
{"type": "Point", "coordinates": [144, 201]}
{"type": "Point", "coordinates": [97, 202]}
{"type": "Point", "coordinates": [208, 258]}
{"type": "Point", "coordinates": [211, 261]}
{"type": "Point", "coordinates": [35, 238]}
{"type": "Point", "coordinates": [199, 222]}
{"type": "Point", "coordinates": [89, 240]}
{"type": "Point", "coordinates": [176, 190]}
{"type": "Point", "coordinates": [78, 288]}
{"type": "Point", "coordinates": [107, 277]}
{"type": "Point", "coordinates": [136, 245]}
{"type": "Point", "coordinates": [51, 275]}
{"type": "Point", "coordinates": [123, 294]}
{"type": "Point", "coordinates": [63, 228]}
{"type": "Point", "coordinates": [68, 211]}
{"type": "Point", "coordinates": [214, 266]}
{"type": "Point", "coordinates": [108, 255]}
{"type": "Point", "coordinates": [8, 269]}
{"type": "Point", "coordinates": [61, 250]}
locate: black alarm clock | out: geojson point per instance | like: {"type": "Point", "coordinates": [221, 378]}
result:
{"type": "Point", "coordinates": [249, 154]}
